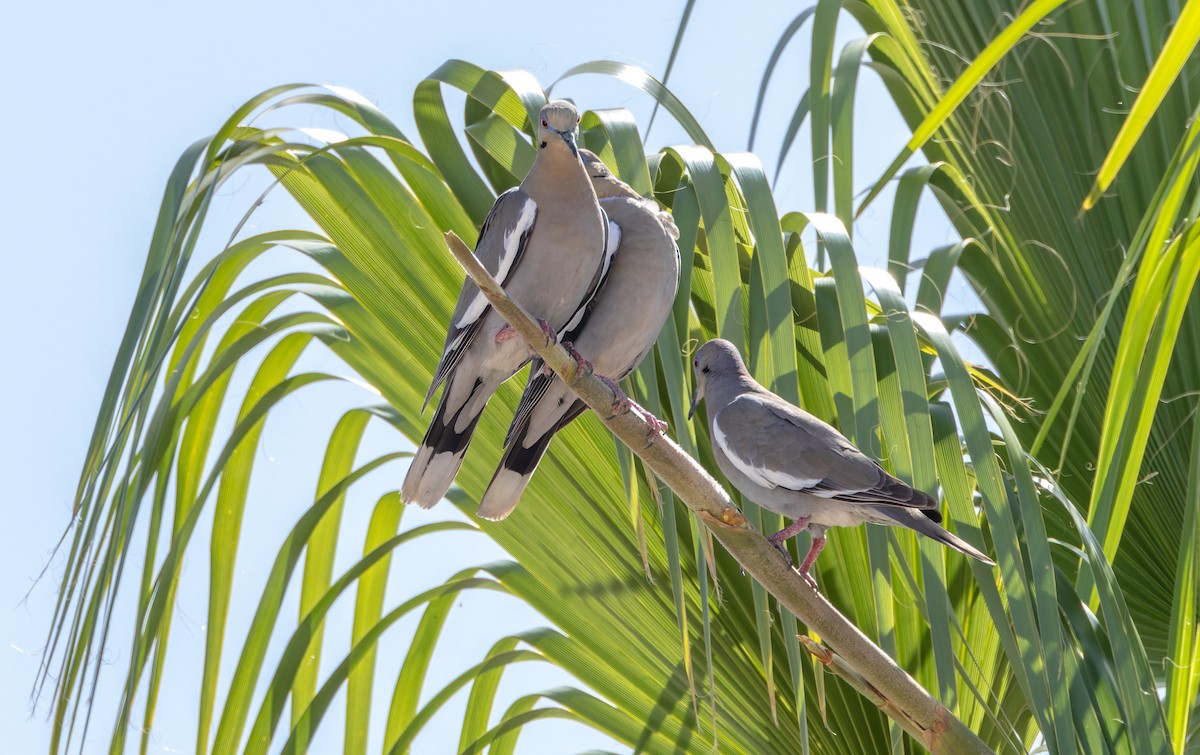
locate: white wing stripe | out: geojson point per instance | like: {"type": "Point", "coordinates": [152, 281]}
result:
{"type": "Point", "coordinates": [478, 305]}
{"type": "Point", "coordinates": [767, 478]}
{"type": "Point", "coordinates": [512, 239]}
{"type": "Point", "coordinates": [512, 245]}
{"type": "Point", "coordinates": [612, 245]}
{"type": "Point", "coordinates": [610, 253]}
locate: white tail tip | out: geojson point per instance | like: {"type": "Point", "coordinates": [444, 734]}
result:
{"type": "Point", "coordinates": [429, 477]}
{"type": "Point", "coordinates": [502, 495]}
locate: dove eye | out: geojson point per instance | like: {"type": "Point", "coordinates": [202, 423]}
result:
{"type": "Point", "coordinates": [696, 362]}
{"type": "Point", "coordinates": [545, 124]}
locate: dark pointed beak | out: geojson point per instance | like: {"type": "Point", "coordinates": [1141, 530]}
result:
{"type": "Point", "coordinates": [569, 138]}
{"type": "Point", "coordinates": [695, 402]}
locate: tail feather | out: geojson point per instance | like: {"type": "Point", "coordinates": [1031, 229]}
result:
{"type": "Point", "coordinates": [517, 466]}
{"type": "Point", "coordinates": [441, 452]}
{"type": "Point", "coordinates": [535, 389]}
{"type": "Point", "coordinates": [921, 522]}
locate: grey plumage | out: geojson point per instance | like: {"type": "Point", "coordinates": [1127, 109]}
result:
{"type": "Point", "coordinates": [788, 461]}
{"type": "Point", "coordinates": [544, 241]}
{"type": "Point", "coordinates": [618, 331]}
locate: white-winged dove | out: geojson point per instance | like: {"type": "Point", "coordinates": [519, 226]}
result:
{"type": "Point", "coordinates": [545, 241]}
{"type": "Point", "coordinates": [788, 461]}
{"type": "Point", "coordinates": [616, 333]}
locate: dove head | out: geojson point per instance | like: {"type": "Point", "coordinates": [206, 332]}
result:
{"type": "Point", "coordinates": [607, 185]}
{"type": "Point", "coordinates": [716, 360]}
{"type": "Point", "coordinates": [558, 122]}
{"type": "Point", "coordinates": [594, 166]}
{"type": "Point", "coordinates": [596, 169]}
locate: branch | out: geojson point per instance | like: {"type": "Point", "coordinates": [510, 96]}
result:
{"type": "Point", "coordinates": [872, 672]}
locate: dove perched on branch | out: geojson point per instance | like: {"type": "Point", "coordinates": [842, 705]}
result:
{"type": "Point", "coordinates": [788, 461]}
{"type": "Point", "coordinates": [546, 242]}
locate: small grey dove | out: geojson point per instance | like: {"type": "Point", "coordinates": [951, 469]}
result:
{"type": "Point", "coordinates": [546, 242]}
{"type": "Point", "coordinates": [788, 461]}
{"type": "Point", "coordinates": [617, 331]}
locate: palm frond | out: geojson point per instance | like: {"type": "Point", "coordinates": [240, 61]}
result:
{"type": "Point", "coordinates": [701, 656]}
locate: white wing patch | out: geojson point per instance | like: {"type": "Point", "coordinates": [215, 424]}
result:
{"type": "Point", "coordinates": [610, 253]}
{"type": "Point", "coordinates": [511, 245]}
{"type": "Point", "coordinates": [611, 246]}
{"type": "Point", "coordinates": [767, 478]}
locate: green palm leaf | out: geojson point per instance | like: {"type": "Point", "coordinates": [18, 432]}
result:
{"type": "Point", "coordinates": [701, 657]}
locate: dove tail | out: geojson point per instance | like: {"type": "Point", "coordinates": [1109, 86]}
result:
{"type": "Point", "coordinates": [927, 526]}
{"type": "Point", "coordinates": [441, 452]}
{"type": "Point", "coordinates": [518, 465]}
{"type": "Point", "coordinates": [512, 476]}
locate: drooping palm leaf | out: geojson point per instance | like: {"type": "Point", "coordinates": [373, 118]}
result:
{"type": "Point", "coordinates": [1058, 280]}
{"type": "Point", "coordinates": [1107, 355]}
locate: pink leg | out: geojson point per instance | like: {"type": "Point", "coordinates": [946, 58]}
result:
{"type": "Point", "coordinates": [818, 544]}
{"type": "Point", "coordinates": [787, 533]}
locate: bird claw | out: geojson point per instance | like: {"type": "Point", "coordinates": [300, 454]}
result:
{"type": "Point", "coordinates": [622, 404]}
{"type": "Point", "coordinates": [551, 336]}
{"type": "Point", "coordinates": [657, 428]}
{"type": "Point", "coordinates": [778, 542]}
{"type": "Point", "coordinates": [787, 533]}
{"type": "Point", "coordinates": [582, 365]}
{"type": "Point", "coordinates": [508, 332]}
{"type": "Point", "coordinates": [792, 564]}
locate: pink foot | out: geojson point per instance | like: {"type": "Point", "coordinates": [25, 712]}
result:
{"type": "Point", "coordinates": [657, 429]}
{"type": "Point", "coordinates": [623, 405]}
{"type": "Point", "coordinates": [582, 365]}
{"type": "Point", "coordinates": [548, 331]}
{"type": "Point", "coordinates": [787, 533]}
{"type": "Point", "coordinates": [505, 334]}
{"type": "Point", "coordinates": [508, 332]}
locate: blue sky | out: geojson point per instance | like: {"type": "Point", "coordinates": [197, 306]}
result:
{"type": "Point", "coordinates": [102, 100]}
